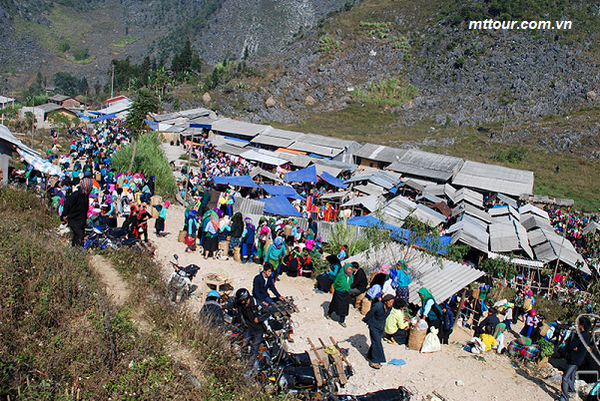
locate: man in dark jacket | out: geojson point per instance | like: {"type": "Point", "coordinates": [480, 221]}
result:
{"type": "Point", "coordinates": [375, 319]}
{"type": "Point", "coordinates": [75, 211]}
{"type": "Point", "coordinates": [263, 282]}
{"type": "Point", "coordinates": [490, 320]}
{"type": "Point", "coordinates": [360, 282]}
{"type": "Point", "coordinates": [212, 311]}
{"type": "Point", "coordinates": [577, 349]}
{"type": "Point", "coordinates": [253, 321]}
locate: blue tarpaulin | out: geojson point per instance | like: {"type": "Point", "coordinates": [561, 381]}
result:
{"type": "Point", "coordinates": [152, 124]}
{"type": "Point", "coordinates": [105, 117]}
{"type": "Point", "coordinates": [236, 181]}
{"type": "Point", "coordinates": [308, 174]}
{"type": "Point", "coordinates": [435, 244]}
{"type": "Point", "coordinates": [280, 206]}
{"type": "Point", "coordinates": [284, 190]}
{"type": "Point", "coordinates": [336, 182]}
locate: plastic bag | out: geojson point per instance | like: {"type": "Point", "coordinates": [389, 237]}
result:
{"type": "Point", "coordinates": [432, 342]}
{"type": "Point", "coordinates": [419, 324]}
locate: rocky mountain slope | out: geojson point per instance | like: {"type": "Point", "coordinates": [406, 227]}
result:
{"type": "Point", "coordinates": [453, 75]}
{"type": "Point", "coordinates": [43, 36]}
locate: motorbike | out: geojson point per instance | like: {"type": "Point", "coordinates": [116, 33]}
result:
{"type": "Point", "coordinates": [180, 282]}
{"type": "Point", "coordinates": [394, 394]}
{"type": "Point", "coordinates": [98, 237]}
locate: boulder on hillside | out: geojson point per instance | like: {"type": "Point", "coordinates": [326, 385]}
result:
{"type": "Point", "coordinates": [309, 101]}
{"type": "Point", "coordinates": [270, 102]}
{"type": "Point", "coordinates": [206, 97]}
{"type": "Point", "coordinates": [591, 96]}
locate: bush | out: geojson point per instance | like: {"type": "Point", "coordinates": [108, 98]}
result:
{"type": "Point", "coordinates": [149, 160]}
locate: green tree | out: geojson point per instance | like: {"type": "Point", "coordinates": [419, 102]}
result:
{"type": "Point", "coordinates": [182, 61]}
{"type": "Point", "coordinates": [146, 102]}
{"type": "Point", "coordinates": [66, 83]}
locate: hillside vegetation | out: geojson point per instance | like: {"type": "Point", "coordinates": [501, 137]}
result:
{"type": "Point", "coordinates": [63, 339]}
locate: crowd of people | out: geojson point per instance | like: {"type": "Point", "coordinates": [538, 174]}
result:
{"type": "Point", "coordinates": [571, 225]}
{"type": "Point", "coordinates": [91, 192]}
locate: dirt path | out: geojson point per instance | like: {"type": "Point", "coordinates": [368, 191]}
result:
{"type": "Point", "coordinates": [117, 290]}
{"type": "Point", "coordinates": [116, 287]}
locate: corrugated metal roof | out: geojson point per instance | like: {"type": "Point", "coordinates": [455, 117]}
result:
{"type": "Point", "coordinates": [327, 141]}
{"type": "Point", "coordinates": [547, 246]}
{"type": "Point", "coordinates": [443, 278]}
{"type": "Point", "coordinates": [471, 210]}
{"type": "Point", "coordinates": [240, 128]}
{"type": "Point", "coordinates": [369, 189]}
{"type": "Point", "coordinates": [263, 156]}
{"type": "Point", "coordinates": [523, 238]}
{"type": "Point", "coordinates": [381, 153]}
{"type": "Point", "coordinates": [504, 213]}
{"type": "Point", "coordinates": [315, 149]}
{"type": "Point", "coordinates": [295, 159]}
{"type": "Point", "coordinates": [334, 171]}
{"type": "Point", "coordinates": [59, 98]}
{"type": "Point", "coordinates": [435, 189]}
{"type": "Point", "coordinates": [470, 231]}
{"type": "Point", "coordinates": [503, 238]}
{"type": "Point", "coordinates": [380, 178]}
{"type": "Point", "coordinates": [424, 164]}
{"type": "Point", "coordinates": [429, 216]}
{"type": "Point", "coordinates": [4, 99]}
{"type": "Point", "coordinates": [267, 140]}
{"type": "Point", "coordinates": [468, 195]}
{"type": "Point", "coordinates": [593, 226]}
{"type": "Point", "coordinates": [257, 171]}
{"type": "Point", "coordinates": [335, 195]}
{"type": "Point", "coordinates": [508, 200]}
{"type": "Point", "coordinates": [494, 178]}
{"type": "Point", "coordinates": [531, 209]}
{"type": "Point", "coordinates": [450, 191]}
{"type": "Point", "coordinates": [429, 198]}
{"type": "Point", "coordinates": [371, 202]}
{"type": "Point", "coordinates": [532, 221]}
{"type": "Point", "coordinates": [230, 149]}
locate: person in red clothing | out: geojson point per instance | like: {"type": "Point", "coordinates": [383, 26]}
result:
{"type": "Point", "coordinates": [142, 222]}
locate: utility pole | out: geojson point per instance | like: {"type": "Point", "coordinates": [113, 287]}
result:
{"type": "Point", "coordinates": [112, 84]}
{"type": "Point", "coordinates": [33, 121]}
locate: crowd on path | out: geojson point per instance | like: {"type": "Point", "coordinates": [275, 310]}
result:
{"type": "Point", "coordinates": [92, 193]}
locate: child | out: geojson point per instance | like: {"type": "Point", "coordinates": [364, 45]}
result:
{"type": "Point", "coordinates": [488, 338]}
{"type": "Point", "coordinates": [508, 317]}
{"type": "Point", "coordinates": [447, 324]}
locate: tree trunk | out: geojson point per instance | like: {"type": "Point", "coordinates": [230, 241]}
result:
{"type": "Point", "coordinates": [133, 155]}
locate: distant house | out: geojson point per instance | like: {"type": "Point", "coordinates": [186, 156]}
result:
{"type": "Point", "coordinates": [6, 101]}
{"type": "Point", "coordinates": [64, 101]}
{"type": "Point", "coordinates": [43, 111]}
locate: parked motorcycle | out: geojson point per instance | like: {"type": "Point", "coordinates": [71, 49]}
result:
{"type": "Point", "coordinates": [98, 237]}
{"type": "Point", "coordinates": [180, 282]}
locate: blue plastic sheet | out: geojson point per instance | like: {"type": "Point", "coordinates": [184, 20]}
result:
{"type": "Point", "coordinates": [308, 174]}
{"type": "Point", "coordinates": [236, 181]}
{"type": "Point", "coordinates": [279, 205]}
{"type": "Point", "coordinates": [434, 244]}
{"type": "Point", "coordinates": [336, 182]}
{"type": "Point", "coordinates": [284, 190]}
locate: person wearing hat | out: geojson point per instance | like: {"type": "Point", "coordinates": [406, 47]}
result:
{"type": "Point", "coordinates": [430, 310]}
{"type": "Point", "coordinates": [75, 210]}
{"type": "Point", "coordinates": [375, 320]}
{"type": "Point", "coordinates": [212, 311]}
{"type": "Point", "coordinates": [340, 301]}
